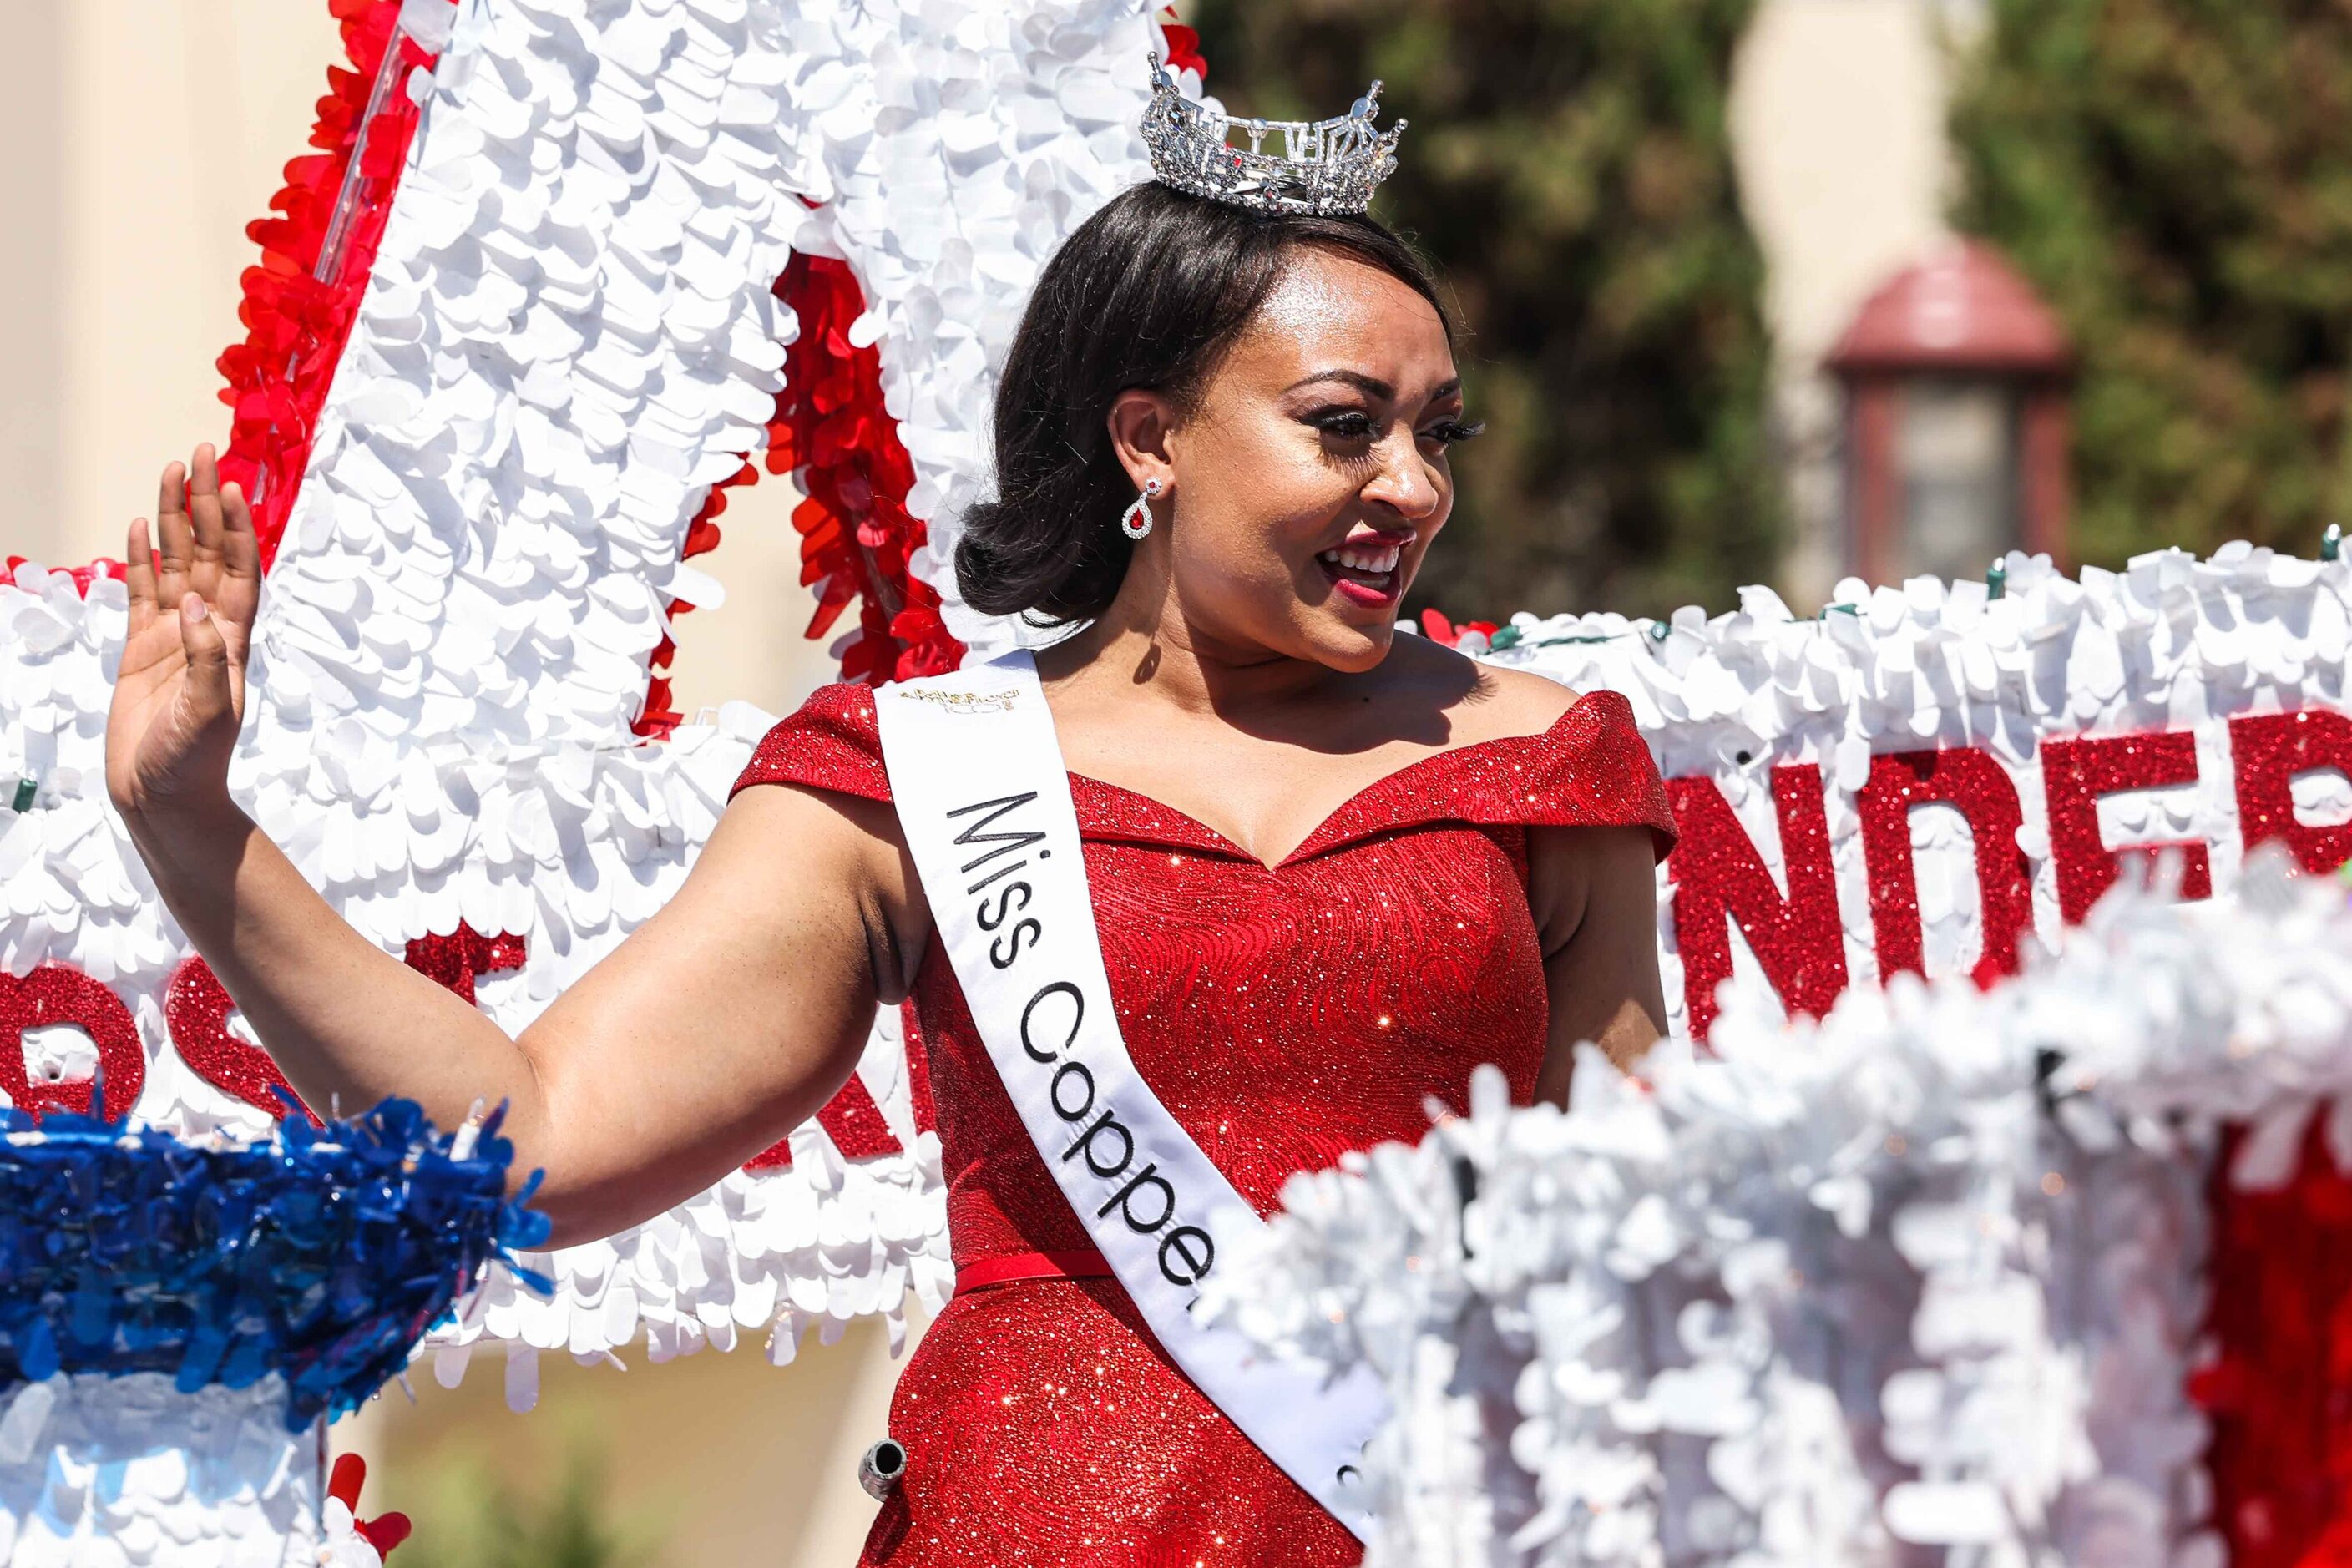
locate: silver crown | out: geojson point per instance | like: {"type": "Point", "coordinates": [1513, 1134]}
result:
{"type": "Point", "coordinates": [1325, 166]}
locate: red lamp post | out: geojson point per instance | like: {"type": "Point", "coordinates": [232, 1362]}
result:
{"type": "Point", "coordinates": [1956, 377]}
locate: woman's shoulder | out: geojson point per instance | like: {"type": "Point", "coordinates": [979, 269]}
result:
{"type": "Point", "coordinates": [1480, 701]}
{"type": "Point", "coordinates": [831, 742]}
{"type": "Point", "coordinates": [1535, 751]}
{"type": "Point", "coordinates": [1521, 702]}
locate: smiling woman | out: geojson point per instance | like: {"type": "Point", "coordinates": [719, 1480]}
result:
{"type": "Point", "coordinates": [1331, 869]}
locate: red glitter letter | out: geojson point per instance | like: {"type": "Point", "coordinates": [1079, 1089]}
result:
{"type": "Point", "coordinates": [919, 1068]}
{"type": "Point", "coordinates": [850, 1119]}
{"type": "Point", "coordinates": [854, 1121]}
{"type": "Point", "coordinates": [196, 1009]}
{"type": "Point", "coordinates": [2268, 752]}
{"type": "Point", "coordinates": [59, 993]}
{"type": "Point", "coordinates": [2075, 774]}
{"type": "Point", "coordinates": [1982, 788]}
{"type": "Point", "coordinates": [1718, 874]}
{"type": "Point", "coordinates": [455, 961]}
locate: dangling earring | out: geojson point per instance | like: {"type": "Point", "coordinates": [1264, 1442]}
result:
{"type": "Point", "coordinates": [1136, 521]}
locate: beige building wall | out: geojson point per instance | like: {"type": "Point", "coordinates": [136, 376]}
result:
{"type": "Point", "coordinates": [146, 135]}
{"type": "Point", "coordinates": [1837, 117]}
{"type": "Point", "coordinates": [32, 244]}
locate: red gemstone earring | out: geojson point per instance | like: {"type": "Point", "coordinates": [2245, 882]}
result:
{"type": "Point", "coordinates": [1136, 521]}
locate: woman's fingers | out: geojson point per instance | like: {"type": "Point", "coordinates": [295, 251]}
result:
{"type": "Point", "coordinates": [205, 514]}
{"type": "Point", "coordinates": [177, 538]}
{"type": "Point", "coordinates": [207, 691]}
{"type": "Point", "coordinates": [139, 576]}
{"type": "Point", "coordinates": [240, 590]}
{"type": "Point", "coordinates": [205, 544]}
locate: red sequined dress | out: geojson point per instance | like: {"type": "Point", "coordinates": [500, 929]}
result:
{"type": "Point", "coordinates": [1284, 1015]}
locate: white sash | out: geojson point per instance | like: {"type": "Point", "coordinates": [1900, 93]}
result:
{"type": "Point", "coordinates": [977, 775]}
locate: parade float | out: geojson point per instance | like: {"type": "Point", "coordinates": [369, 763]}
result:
{"type": "Point", "coordinates": [1972, 1209]}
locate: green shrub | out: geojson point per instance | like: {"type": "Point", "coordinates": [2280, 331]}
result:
{"type": "Point", "coordinates": [2175, 176]}
{"type": "Point", "coordinates": [475, 1521]}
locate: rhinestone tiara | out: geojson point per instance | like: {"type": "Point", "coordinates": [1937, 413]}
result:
{"type": "Point", "coordinates": [1325, 166]}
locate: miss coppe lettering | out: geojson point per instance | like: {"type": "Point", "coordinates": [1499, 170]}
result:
{"type": "Point", "coordinates": [984, 800]}
{"type": "Point", "coordinates": [1052, 1021]}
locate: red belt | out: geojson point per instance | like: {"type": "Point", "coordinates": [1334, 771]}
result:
{"type": "Point", "coordinates": [1085, 1263]}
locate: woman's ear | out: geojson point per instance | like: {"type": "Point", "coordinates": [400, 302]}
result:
{"type": "Point", "coordinates": [1140, 422]}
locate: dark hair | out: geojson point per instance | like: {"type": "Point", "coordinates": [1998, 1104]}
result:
{"type": "Point", "coordinates": [1148, 293]}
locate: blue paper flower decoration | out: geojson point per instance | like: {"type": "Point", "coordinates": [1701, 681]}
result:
{"type": "Point", "coordinates": [322, 1254]}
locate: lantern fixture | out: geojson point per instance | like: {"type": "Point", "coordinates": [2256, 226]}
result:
{"type": "Point", "coordinates": [1956, 378]}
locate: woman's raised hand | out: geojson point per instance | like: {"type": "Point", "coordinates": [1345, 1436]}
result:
{"type": "Point", "coordinates": [179, 696]}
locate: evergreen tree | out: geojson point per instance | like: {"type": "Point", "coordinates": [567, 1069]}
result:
{"type": "Point", "coordinates": [1569, 169]}
{"type": "Point", "coordinates": [2175, 176]}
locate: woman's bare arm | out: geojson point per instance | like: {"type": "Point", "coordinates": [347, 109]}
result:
{"type": "Point", "coordinates": [713, 1030]}
{"type": "Point", "coordinates": [1593, 891]}
{"type": "Point", "coordinates": [729, 1016]}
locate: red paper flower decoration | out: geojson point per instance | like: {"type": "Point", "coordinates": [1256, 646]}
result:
{"type": "Point", "coordinates": [385, 1531]}
{"type": "Point", "coordinates": [296, 322]}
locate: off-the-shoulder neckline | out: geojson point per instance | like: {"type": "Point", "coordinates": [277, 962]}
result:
{"type": "Point", "coordinates": [1331, 827]}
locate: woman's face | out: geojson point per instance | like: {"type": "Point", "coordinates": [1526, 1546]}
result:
{"type": "Point", "coordinates": [1305, 481]}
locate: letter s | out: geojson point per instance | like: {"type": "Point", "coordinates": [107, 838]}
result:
{"type": "Point", "coordinates": [990, 922]}
{"type": "Point", "coordinates": [1006, 948]}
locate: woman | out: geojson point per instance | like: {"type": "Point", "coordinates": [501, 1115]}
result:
{"type": "Point", "coordinates": [1332, 868]}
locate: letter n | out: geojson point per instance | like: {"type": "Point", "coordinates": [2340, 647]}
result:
{"type": "Point", "coordinates": [1972, 781]}
{"type": "Point", "coordinates": [1718, 877]}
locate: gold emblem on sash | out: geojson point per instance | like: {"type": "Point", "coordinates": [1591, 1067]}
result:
{"type": "Point", "coordinates": [964, 701]}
